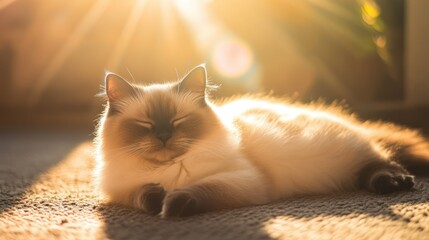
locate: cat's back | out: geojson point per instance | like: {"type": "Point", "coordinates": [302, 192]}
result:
{"type": "Point", "coordinates": [316, 140]}
{"type": "Point", "coordinates": [279, 125]}
{"type": "Point", "coordinates": [278, 113]}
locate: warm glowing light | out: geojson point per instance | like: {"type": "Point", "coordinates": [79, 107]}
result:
{"type": "Point", "coordinates": [5, 3]}
{"type": "Point", "coordinates": [72, 43]}
{"type": "Point", "coordinates": [370, 12]}
{"type": "Point", "coordinates": [309, 227]}
{"type": "Point", "coordinates": [70, 178]}
{"type": "Point", "coordinates": [267, 46]}
{"type": "Point", "coordinates": [371, 9]}
{"type": "Point", "coordinates": [205, 30]}
{"type": "Point", "coordinates": [232, 58]}
{"type": "Point", "coordinates": [126, 35]}
{"type": "Point", "coordinates": [368, 20]}
{"type": "Point", "coordinates": [380, 41]}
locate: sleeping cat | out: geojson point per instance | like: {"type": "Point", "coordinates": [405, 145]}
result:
{"type": "Point", "coordinates": [167, 149]}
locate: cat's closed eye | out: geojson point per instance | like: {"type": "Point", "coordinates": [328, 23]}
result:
{"type": "Point", "coordinates": [177, 121]}
{"type": "Point", "coordinates": [145, 123]}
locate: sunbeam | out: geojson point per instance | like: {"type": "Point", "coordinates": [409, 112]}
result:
{"type": "Point", "coordinates": [231, 57]}
{"type": "Point", "coordinates": [249, 45]}
{"type": "Point", "coordinates": [205, 29]}
{"type": "Point", "coordinates": [5, 3]}
{"type": "Point", "coordinates": [126, 35]}
{"type": "Point", "coordinates": [75, 38]}
{"type": "Point", "coordinates": [70, 178]}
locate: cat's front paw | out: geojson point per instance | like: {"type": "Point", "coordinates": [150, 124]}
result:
{"type": "Point", "coordinates": [152, 196]}
{"type": "Point", "coordinates": [388, 183]}
{"type": "Point", "coordinates": [179, 203]}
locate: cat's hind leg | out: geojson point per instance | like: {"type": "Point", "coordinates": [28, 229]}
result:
{"type": "Point", "coordinates": [406, 146]}
{"type": "Point", "coordinates": [380, 176]}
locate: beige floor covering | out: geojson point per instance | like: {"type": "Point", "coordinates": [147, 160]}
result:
{"type": "Point", "coordinates": [47, 192]}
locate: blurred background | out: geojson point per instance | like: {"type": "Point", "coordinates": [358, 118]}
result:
{"type": "Point", "coordinates": [368, 54]}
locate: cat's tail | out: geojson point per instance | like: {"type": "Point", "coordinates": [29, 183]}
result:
{"type": "Point", "coordinates": [406, 146]}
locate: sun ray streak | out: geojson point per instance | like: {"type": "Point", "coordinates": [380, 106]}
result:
{"type": "Point", "coordinates": [206, 30]}
{"type": "Point", "coordinates": [75, 38]}
{"type": "Point", "coordinates": [4, 4]}
{"type": "Point", "coordinates": [331, 7]}
{"type": "Point", "coordinates": [229, 54]}
{"type": "Point", "coordinates": [126, 35]}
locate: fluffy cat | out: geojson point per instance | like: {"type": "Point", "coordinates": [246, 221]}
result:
{"type": "Point", "coordinates": [167, 149]}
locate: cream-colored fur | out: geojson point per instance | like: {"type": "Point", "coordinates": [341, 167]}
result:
{"type": "Point", "coordinates": [260, 150]}
{"type": "Point", "coordinates": [299, 150]}
{"type": "Point", "coordinates": [217, 155]}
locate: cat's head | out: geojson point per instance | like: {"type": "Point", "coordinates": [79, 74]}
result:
{"type": "Point", "coordinates": [157, 122]}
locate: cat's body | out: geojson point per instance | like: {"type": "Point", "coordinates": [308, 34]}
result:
{"type": "Point", "coordinates": [168, 148]}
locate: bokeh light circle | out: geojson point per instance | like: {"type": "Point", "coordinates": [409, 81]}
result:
{"type": "Point", "coordinates": [232, 58]}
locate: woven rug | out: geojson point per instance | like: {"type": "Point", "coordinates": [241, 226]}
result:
{"type": "Point", "coordinates": [47, 192]}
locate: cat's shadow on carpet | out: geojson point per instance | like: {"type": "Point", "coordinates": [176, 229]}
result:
{"type": "Point", "coordinates": [125, 223]}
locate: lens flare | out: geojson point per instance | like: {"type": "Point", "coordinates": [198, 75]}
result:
{"type": "Point", "coordinates": [232, 58]}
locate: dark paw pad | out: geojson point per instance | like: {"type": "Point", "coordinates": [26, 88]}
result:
{"type": "Point", "coordinates": [179, 204]}
{"type": "Point", "coordinates": [388, 183]}
{"type": "Point", "coordinates": [152, 197]}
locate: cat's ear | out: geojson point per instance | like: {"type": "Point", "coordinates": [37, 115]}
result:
{"type": "Point", "coordinates": [195, 81]}
{"type": "Point", "coordinates": [117, 88]}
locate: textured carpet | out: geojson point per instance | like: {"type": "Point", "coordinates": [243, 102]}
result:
{"type": "Point", "coordinates": [46, 191]}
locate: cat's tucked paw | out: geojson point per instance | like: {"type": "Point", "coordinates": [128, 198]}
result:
{"type": "Point", "coordinates": [388, 182]}
{"type": "Point", "coordinates": [152, 197]}
{"type": "Point", "coordinates": [179, 204]}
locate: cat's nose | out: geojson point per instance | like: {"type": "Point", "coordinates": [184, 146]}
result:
{"type": "Point", "coordinates": [164, 136]}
